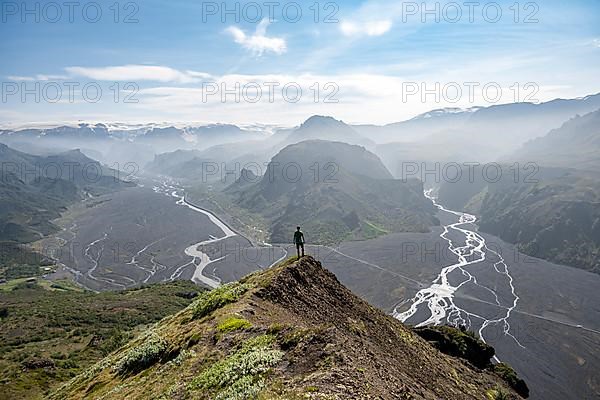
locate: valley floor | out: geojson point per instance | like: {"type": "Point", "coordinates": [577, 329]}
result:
{"type": "Point", "coordinates": [141, 235]}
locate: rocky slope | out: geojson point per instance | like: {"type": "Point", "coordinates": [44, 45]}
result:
{"type": "Point", "coordinates": [576, 144]}
{"type": "Point", "coordinates": [289, 332]}
{"type": "Point", "coordinates": [556, 219]}
{"type": "Point", "coordinates": [553, 214]}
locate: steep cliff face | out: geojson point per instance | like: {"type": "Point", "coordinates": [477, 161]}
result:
{"type": "Point", "coordinates": [289, 332]}
{"type": "Point", "coordinates": [554, 216]}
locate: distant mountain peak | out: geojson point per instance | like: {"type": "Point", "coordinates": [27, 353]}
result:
{"type": "Point", "coordinates": [327, 128]}
{"type": "Point", "coordinates": [72, 152]}
{"type": "Point", "coordinates": [354, 158]}
{"type": "Point", "coordinates": [248, 174]}
{"type": "Point", "coordinates": [446, 111]}
{"type": "Point", "coordinates": [321, 119]}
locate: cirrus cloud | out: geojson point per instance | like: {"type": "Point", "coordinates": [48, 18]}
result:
{"type": "Point", "coordinates": [368, 28]}
{"type": "Point", "coordinates": [138, 73]}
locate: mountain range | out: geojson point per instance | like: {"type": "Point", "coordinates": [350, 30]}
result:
{"type": "Point", "coordinates": [482, 134]}
{"type": "Point", "coordinates": [190, 164]}
{"type": "Point", "coordinates": [438, 135]}
{"type": "Point", "coordinates": [126, 144]}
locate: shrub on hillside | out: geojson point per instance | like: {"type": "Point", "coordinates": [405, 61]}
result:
{"type": "Point", "coordinates": [142, 356]}
{"type": "Point", "coordinates": [233, 324]}
{"type": "Point", "coordinates": [241, 374]}
{"type": "Point", "coordinates": [509, 375]}
{"type": "Point", "coordinates": [217, 298]}
{"type": "Point", "coordinates": [458, 343]}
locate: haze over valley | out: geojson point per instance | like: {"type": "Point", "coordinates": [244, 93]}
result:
{"type": "Point", "coordinates": [347, 200]}
{"type": "Point", "coordinates": [484, 254]}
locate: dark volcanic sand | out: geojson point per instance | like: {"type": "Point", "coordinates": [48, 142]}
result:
{"type": "Point", "coordinates": [139, 236]}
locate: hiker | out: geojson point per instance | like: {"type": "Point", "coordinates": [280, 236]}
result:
{"type": "Point", "coordinates": [299, 241]}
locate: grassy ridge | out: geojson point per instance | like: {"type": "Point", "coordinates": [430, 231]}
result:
{"type": "Point", "coordinates": [290, 332]}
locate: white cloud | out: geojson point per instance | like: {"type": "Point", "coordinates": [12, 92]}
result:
{"type": "Point", "coordinates": [258, 43]}
{"type": "Point", "coordinates": [21, 78]}
{"type": "Point", "coordinates": [368, 28]}
{"type": "Point", "coordinates": [370, 95]}
{"type": "Point", "coordinates": [138, 73]}
{"type": "Point", "coordinates": [362, 97]}
{"type": "Point", "coordinates": [377, 17]}
{"type": "Point", "coordinates": [38, 77]}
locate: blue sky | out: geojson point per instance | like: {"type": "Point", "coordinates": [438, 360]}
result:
{"type": "Point", "coordinates": [371, 61]}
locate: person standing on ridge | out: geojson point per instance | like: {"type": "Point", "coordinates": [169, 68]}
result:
{"type": "Point", "coordinates": [299, 241]}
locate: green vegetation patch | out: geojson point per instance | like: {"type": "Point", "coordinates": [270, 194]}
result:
{"type": "Point", "coordinates": [18, 261]}
{"type": "Point", "coordinates": [241, 375]}
{"type": "Point", "coordinates": [497, 394]}
{"type": "Point", "coordinates": [16, 271]}
{"type": "Point", "coordinates": [142, 356]}
{"type": "Point", "coordinates": [217, 298]}
{"type": "Point", "coordinates": [458, 343]}
{"type": "Point", "coordinates": [505, 372]}
{"type": "Point", "coordinates": [233, 324]}
{"type": "Point", "coordinates": [45, 319]}
{"type": "Point", "coordinates": [371, 231]}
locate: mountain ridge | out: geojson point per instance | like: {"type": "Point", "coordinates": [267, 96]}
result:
{"type": "Point", "coordinates": [284, 333]}
{"type": "Point", "coordinates": [436, 135]}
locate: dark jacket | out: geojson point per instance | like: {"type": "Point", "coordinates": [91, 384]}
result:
{"type": "Point", "coordinates": [298, 237]}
